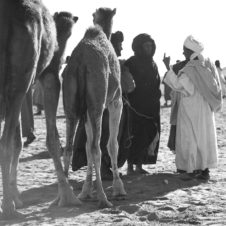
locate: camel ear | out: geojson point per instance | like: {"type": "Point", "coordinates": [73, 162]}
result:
{"type": "Point", "coordinates": [114, 11]}
{"type": "Point", "coordinates": [75, 18]}
{"type": "Point", "coordinates": [55, 15]}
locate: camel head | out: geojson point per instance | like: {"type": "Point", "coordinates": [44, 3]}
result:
{"type": "Point", "coordinates": [64, 23]}
{"type": "Point", "coordinates": [104, 18]}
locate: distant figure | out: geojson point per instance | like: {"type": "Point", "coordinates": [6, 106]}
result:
{"type": "Point", "coordinates": [38, 98]}
{"type": "Point", "coordinates": [167, 97]}
{"type": "Point", "coordinates": [222, 79]}
{"type": "Point", "coordinates": [144, 104]}
{"type": "Point", "coordinates": [167, 91]}
{"type": "Point", "coordinates": [200, 97]}
{"type": "Point", "coordinates": [27, 119]}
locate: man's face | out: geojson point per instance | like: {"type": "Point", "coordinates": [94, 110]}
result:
{"type": "Point", "coordinates": [187, 53]}
{"type": "Point", "coordinates": [148, 48]}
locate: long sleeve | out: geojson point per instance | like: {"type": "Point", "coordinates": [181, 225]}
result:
{"type": "Point", "coordinates": [180, 84]}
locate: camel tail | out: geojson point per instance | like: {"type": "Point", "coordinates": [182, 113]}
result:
{"type": "Point", "coordinates": [5, 24]}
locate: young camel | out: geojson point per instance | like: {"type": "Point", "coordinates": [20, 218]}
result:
{"type": "Point", "coordinates": [91, 83]}
{"type": "Point", "coordinates": [28, 41]}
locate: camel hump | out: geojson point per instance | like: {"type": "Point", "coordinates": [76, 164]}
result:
{"type": "Point", "coordinates": [93, 32]}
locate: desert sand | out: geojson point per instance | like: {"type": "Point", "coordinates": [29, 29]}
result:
{"type": "Point", "coordinates": [161, 197]}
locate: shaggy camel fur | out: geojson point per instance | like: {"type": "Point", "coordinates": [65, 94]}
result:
{"type": "Point", "coordinates": [91, 83]}
{"type": "Point", "coordinates": [28, 41]}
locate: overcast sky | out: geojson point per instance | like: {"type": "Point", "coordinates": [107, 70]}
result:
{"type": "Point", "coordinates": [169, 22]}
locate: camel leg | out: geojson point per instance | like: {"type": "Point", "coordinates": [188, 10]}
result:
{"type": "Point", "coordinates": [115, 110]}
{"type": "Point", "coordinates": [51, 85]}
{"type": "Point", "coordinates": [15, 161]}
{"type": "Point", "coordinates": [71, 127]}
{"type": "Point", "coordinates": [86, 192]}
{"type": "Point", "coordinates": [96, 122]}
{"type": "Point", "coordinates": [72, 120]}
{"type": "Point", "coordinates": [7, 153]}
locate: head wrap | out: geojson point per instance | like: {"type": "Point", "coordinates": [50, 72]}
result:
{"type": "Point", "coordinates": [116, 40]}
{"type": "Point", "coordinates": [194, 45]}
{"type": "Point", "coordinates": [117, 37]}
{"type": "Point", "coordinates": [217, 63]}
{"type": "Point", "coordinates": [139, 40]}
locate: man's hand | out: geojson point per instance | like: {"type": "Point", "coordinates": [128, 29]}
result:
{"type": "Point", "coordinates": [166, 61]}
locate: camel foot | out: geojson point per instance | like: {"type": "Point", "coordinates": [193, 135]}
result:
{"type": "Point", "coordinates": [66, 197]}
{"type": "Point", "coordinates": [74, 201]}
{"type": "Point", "coordinates": [63, 201]}
{"type": "Point", "coordinates": [119, 193]}
{"type": "Point", "coordinates": [104, 204]}
{"type": "Point", "coordinates": [18, 203]}
{"type": "Point", "coordinates": [119, 197]}
{"type": "Point", "coordinates": [83, 196]}
{"type": "Point", "coordinates": [118, 188]}
{"type": "Point", "coordinates": [10, 215]}
{"type": "Point", "coordinates": [86, 193]}
{"type": "Point", "coordinates": [55, 202]}
{"type": "Point", "coordinates": [16, 196]}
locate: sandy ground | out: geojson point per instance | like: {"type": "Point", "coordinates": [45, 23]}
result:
{"type": "Point", "coordinates": [161, 197]}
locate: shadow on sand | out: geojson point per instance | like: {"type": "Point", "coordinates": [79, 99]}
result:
{"type": "Point", "coordinates": [140, 188]}
{"type": "Point", "coordinates": [40, 155]}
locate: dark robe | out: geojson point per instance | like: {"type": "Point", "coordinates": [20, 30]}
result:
{"type": "Point", "coordinates": [167, 91]}
{"type": "Point", "coordinates": [144, 110]}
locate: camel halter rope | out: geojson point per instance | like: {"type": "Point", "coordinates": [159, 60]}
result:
{"type": "Point", "coordinates": [136, 112]}
{"type": "Point", "coordinates": [125, 99]}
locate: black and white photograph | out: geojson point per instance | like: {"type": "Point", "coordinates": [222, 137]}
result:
{"type": "Point", "coordinates": [112, 112]}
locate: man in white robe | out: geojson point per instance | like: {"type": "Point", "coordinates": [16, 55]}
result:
{"type": "Point", "coordinates": [200, 90]}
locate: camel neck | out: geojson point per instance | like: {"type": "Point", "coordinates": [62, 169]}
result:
{"type": "Point", "coordinates": [57, 60]}
{"type": "Point", "coordinates": [107, 28]}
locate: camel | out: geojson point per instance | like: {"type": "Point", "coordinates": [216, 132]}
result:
{"type": "Point", "coordinates": [91, 83]}
{"type": "Point", "coordinates": [28, 41]}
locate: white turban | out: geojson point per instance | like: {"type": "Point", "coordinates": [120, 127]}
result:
{"type": "Point", "coordinates": [194, 45]}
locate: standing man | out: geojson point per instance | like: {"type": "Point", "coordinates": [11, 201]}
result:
{"type": "Point", "coordinates": [145, 104]}
{"type": "Point", "coordinates": [200, 97]}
